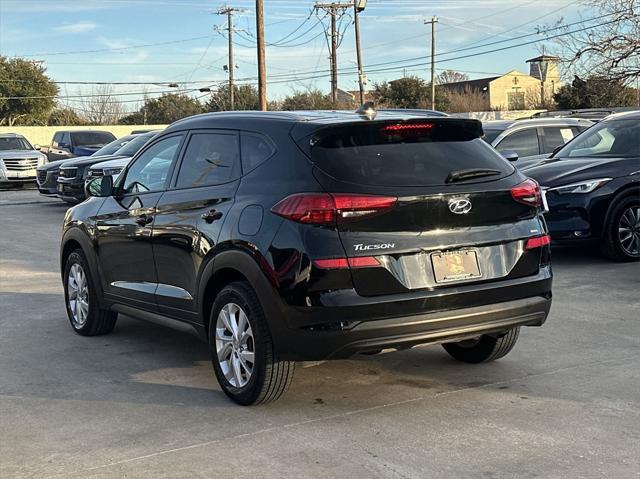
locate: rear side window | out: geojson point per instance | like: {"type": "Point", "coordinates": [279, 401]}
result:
{"type": "Point", "coordinates": [255, 150]}
{"type": "Point", "coordinates": [523, 142]}
{"type": "Point", "coordinates": [403, 154]}
{"type": "Point", "coordinates": [210, 159]}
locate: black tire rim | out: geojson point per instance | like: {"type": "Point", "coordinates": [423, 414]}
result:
{"type": "Point", "coordinates": [629, 231]}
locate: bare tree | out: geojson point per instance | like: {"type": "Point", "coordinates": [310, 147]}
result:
{"type": "Point", "coordinates": [462, 101]}
{"type": "Point", "coordinates": [102, 107]}
{"type": "Point", "coordinates": [609, 49]}
{"type": "Point", "coordinates": [450, 76]}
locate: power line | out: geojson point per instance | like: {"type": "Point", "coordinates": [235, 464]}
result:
{"type": "Point", "coordinates": [131, 47]}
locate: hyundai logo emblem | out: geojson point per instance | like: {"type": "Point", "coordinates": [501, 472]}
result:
{"type": "Point", "coordinates": [459, 206]}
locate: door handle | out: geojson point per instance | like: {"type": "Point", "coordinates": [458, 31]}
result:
{"type": "Point", "coordinates": [144, 220]}
{"type": "Point", "coordinates": [211, 216]}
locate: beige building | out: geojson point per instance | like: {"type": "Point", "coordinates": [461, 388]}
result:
{"type": "Point", "coordinates": [516, 90]}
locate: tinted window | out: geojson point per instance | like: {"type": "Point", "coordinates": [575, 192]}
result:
{"type": "Point", "coordinates": [66, 138]}
{"type": "Point", "coordinates": [149, 171]}
{"type": "Point", "coordinates": [57, 138]}
{"type": "Point", "coordinates": [92, 138]}
{"type": "Point", "coordinates": [210, 159]}
{"type": "Point", "coordinates": [14, 143]}
{"type": "Point", "coordinates": [490, 135]}
{"type": "Point", "coordinates": [618, 138]}
{"type": "Point", "coordinates": [523, 142]}
{"type": "Point", "coordinates": [382, 154]}
{"type": "Point", "coordinates": [555, 136]}
{"type": "Point", "coordinates": [255, 149]}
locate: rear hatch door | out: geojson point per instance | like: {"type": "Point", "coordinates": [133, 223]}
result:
{"type": "Point", "coordinates": [451, 217]}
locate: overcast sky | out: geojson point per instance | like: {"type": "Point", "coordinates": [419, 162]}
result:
{"type": "Point", "coordinates": [60, 32]}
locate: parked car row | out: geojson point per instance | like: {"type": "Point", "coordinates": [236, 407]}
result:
{"type": "Point", "coordinates": [66, 178]}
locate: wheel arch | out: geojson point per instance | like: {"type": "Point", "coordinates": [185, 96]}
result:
{"type": "Point", "coordinates": [75, 239]}
{"type": "Point", "coordinates": [238, 265]}
{"type": "Point", "coordinates": [623, 192]}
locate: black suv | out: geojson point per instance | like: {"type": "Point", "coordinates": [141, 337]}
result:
{"type": "Point", "coordinates": [312, 235]}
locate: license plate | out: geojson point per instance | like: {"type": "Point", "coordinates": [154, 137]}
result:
{"type": "Point", "coordinates": [26, 174]}
{"type": "Point", "coordinates": [455, 266]}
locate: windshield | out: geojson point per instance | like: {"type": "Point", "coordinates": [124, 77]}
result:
{"type": "Point", "coordinates": [616, 138]}
{"type": "Point", "coordinates": [404, 154]}
{"type": "Point", "coordinates": [14, 143]}
{"type": "Point", "coordinates": [134, 145]}
{"type": "Point", "coordinates": [114, 146]}
{"type": "Point", "coordinates": [92, 138]}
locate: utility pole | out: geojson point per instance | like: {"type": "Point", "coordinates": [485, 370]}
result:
{"type": "Point", "coordinates": [262, 72]}
{"type": "Point", "coordinates": [229, 11]}
{"type": "Point", "coordinates": [332, 9]}
{"type": "Point", "coordinates": [358, 6]}
{"type": "Point", "coordinates": [433, 22]}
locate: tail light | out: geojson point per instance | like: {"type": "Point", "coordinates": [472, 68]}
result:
{"type": "Point", "coordinates": [538, 242]}
{"type": "Point", "coordinates": [343, 263]}
{"type": "Point", "coordinates": [527, 192]}
{"type": "Point", "coordinates": [329, 209]}
{"type": "Point", "coordinates": [408, 127]}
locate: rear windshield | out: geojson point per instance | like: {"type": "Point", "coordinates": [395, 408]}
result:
{"type": "Point", "coordinates": [132, 147]}
{"type": "Point", "coordinates": [403, 154]}
{"type": "Point", "coordinates": [92, 138]}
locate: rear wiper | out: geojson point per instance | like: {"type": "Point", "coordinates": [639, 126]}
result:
{"type": "Point", "coordinates": [462, 175]}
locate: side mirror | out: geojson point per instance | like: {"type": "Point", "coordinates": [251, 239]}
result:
{"type": "Point", "coordinates": [509, 155]}
{"type": "Point", "coordinates": [100, 187]}
{"type": "Point", "coordinates": [37, 147]}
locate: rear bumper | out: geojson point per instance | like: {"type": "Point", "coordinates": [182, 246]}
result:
{"type": "Point", "coordinates": [399, 324]}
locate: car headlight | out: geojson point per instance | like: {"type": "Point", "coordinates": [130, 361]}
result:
{"type": "Point", "coordinates": [586, 186]}
{"type": "Point", "coordinates": [42, 160]}
{"type": "Point", "coordinates": [111, 171]}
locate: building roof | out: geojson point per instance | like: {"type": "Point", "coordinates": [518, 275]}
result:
{"type": "Point", "coordinates": [543, 58]}
{"type": "Point", "coordinates": [480, 84]}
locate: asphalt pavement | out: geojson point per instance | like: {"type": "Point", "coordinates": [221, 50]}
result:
{"type": "Point", "coordinates": [143, 402]}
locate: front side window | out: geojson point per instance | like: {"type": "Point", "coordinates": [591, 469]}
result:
{"type": "Point", "coordinates": [210, 159]}
{"type": "Point", "coordinates": [555, 136]}
{"type": "Point", "coordinates": [150, 170]}
{"type": "Point", "coordinates": [523, 142]}
{"type": "Point", "coordinates": [615, 138]}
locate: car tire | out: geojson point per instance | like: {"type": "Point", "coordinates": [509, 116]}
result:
{"type": "Point", "coordinates": [81, 299]}
{"type": "Point", "coordinates": [237, 308]}
{"type": "Point", "coordinates": [613, 245]}
{"type": "Point", "coordinates": [484, 349]}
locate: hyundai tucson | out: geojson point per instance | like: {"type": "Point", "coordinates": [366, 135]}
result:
{"type": "Point", "coordinates": [292, 236]}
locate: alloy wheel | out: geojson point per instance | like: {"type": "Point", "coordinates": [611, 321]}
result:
{"type": "Point", "coordinates": [78, 295]}
{"type": "Point", "coordinates": [235, 347]}
{"type": "Point", "coordinates": [629, 231]}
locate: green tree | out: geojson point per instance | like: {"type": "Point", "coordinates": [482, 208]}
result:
{"type": "Point", "coordinates": [312, 99]}
{"type": "Point", "coordinates": [245, 97]}
{"type": "Point", "coordinates": [26, 93]}
{"type": "Point", "coordinates": [408, 92]}
{"type": "Point", "coordinates": [594, 92]}
{"type": "Point", "coordinates": [135, 118]}
{"type": "Point", "coordinates": [169, 108]}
